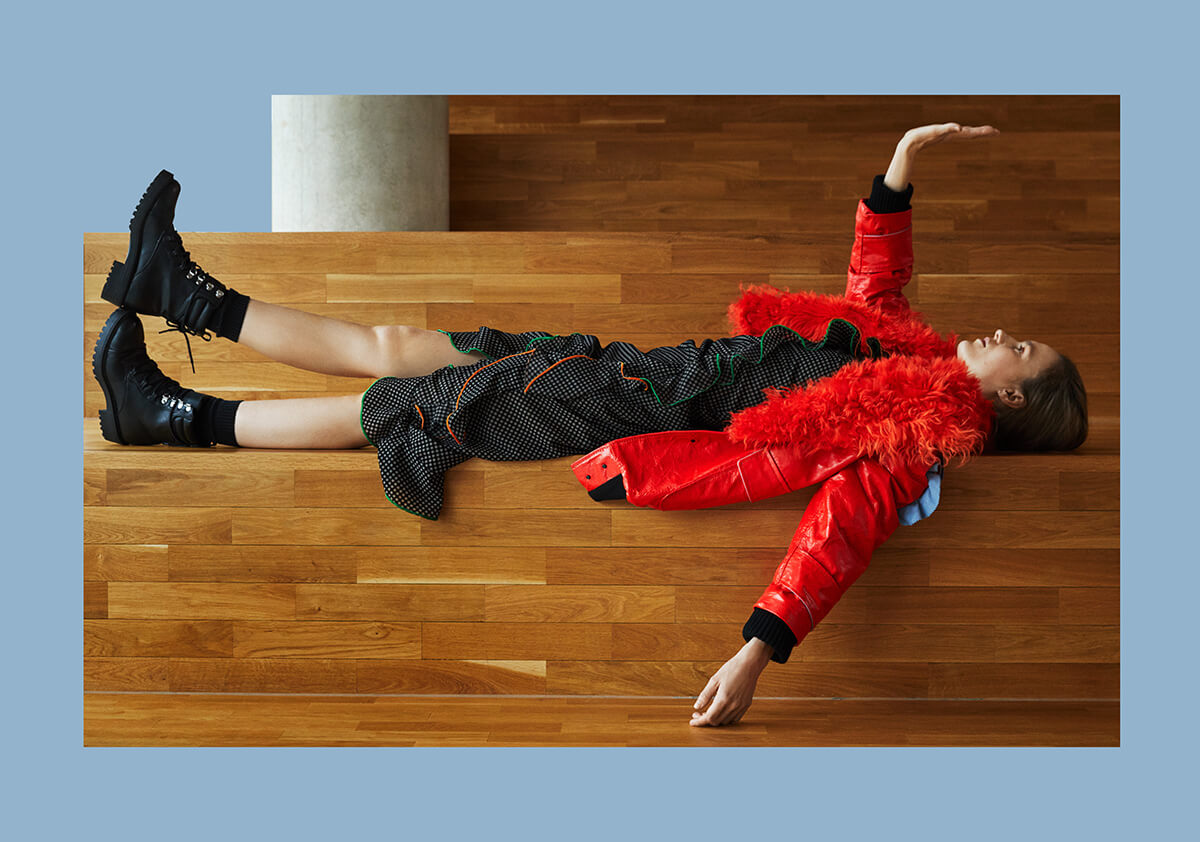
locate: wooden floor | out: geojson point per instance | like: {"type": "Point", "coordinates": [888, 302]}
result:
{"type": "Point", "coordinates": [256, 597]}
{"type": "Point", "coordinates": [256, 720]}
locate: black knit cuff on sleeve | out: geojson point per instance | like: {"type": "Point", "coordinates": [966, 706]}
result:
{"type": "Point", "coordinates": [772, 631]}
{"type": "Point", "coordinates": [886, 200]}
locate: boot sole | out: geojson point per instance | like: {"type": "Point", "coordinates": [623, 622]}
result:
{"type": "Point", "coordinates": [116, 286]}
{"type": "Point", "coordinates": [110, 429]}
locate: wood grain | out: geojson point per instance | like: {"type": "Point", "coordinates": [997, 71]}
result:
{"type": "Point", "coordinates": [236, 571]}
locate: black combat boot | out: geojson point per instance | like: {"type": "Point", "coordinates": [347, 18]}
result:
{"type": "Point", "coordinates": [158, 277]}
{"type": "Point", "coordinates": [143, 405]}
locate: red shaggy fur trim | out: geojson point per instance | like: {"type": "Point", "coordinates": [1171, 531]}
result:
{"type": "Point", "coordinates": [898, 410]}
{"type": "Point", "coordinates": [807, 313]}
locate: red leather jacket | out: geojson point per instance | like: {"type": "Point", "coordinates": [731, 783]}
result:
{"type": "Point", "coordinates": [857, 505]}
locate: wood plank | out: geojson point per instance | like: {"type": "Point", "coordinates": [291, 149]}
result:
{"type": "Point", "coordinates": [1019, 680]}
{"type": "Point", "coordinates": [137, 675]}
{"type": "Point", "coordinates": [261, 675]}
{"type": "Point", "coordinates": [93, 486]}
{"type": "Point", "coordinates": [142, 487]}
{"type": "Point", "coordinates": [390, 602]}
{"type": "Point", "coordinates": [323, 526]}
{"type": "Point", "coordinates": [156, 525]}
{"type": "Point", "coordinates": [538, 528]}
{"type": "Point", "coordinates": [416, 565]}
{"type": "Point", "coordinates": [102, 562]}
{"type": "Point", "coordinates": [960, 605]}
{"type": "Point", "coordinates": [256, 563]}
{"type": "Point", "coordinates": [157, 638]}
{"type": "Point", "coordinates": [516, 641]}
{"type": "Point", "coordinates": [578, 604]}
{"type": "Point", "coordinates": [1077, 644]}
{"type": "Point", "coordinates": [95, 600]}
{"type": "Point", "coordinates": [1089, 606]}
{"type": "Point", "coordinates": [1090, 490]}
{"type": "Point", "coordinates": [1000, 567]}
{"type": "Point", "coordinates": [193, 600]}
{"type": "Point", "coordinates": [330, 640]}
{"type": "Point", "coordinates": [453, 677]}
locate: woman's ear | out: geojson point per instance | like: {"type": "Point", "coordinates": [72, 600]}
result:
{"type": "Point", "coordinates": [1011, 396]}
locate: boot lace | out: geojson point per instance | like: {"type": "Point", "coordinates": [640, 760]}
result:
{"type": "Point", "coordinates": [147, 377]}
{"type": "Point", "coordinates": [183, 259]}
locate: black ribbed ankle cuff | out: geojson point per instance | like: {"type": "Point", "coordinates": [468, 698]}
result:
{"type": "Point", "coordinates": [229, 322]}
{"type": "Point", "coordinates": [223, 415]}
{"type": "Point", "coordinates": [772, 631]}
{"type": "Point", "coordinates": [886, 200]}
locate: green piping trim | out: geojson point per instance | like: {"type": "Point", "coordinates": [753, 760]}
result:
{"type": "Point", "coordinates": [808, 344]}
{"type": "Point", "coordinates": [461, 351]}
{"type": "Point", "coordinates": [398, 506]}
{"type": "Point", "coordinates": [528, 345]}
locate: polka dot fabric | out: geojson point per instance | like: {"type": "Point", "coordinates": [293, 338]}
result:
{"type": "Point", "coordinates": [543, 396]}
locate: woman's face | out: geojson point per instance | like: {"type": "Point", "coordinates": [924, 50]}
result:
{"type": "Point", "coordinates": [1002, 364]}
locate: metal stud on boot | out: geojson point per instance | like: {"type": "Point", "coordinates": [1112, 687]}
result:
{"type": "Point", "coordinates": [142, 405]}
{"type": "Point", "coordinates": [158, 277]}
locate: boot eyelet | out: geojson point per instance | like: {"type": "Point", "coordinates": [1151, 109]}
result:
{"type": "Point", "coordinates": [191, 273]}
{"type": "Point", "coordinates": [164, 400]}
{"type": "Point", "coordinates": [220, 293]}
{"type": "Point", "coordinates": [208, 287]}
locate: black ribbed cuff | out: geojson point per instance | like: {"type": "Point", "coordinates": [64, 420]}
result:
{"type": "Point", "coordinates": [223, 417]}
{"type": "Point", "coordinates": [232, 314]}
{"type": "Point", "coordinates": [772, 631]}
{"type": "Point", "coordinates": [886, 200]}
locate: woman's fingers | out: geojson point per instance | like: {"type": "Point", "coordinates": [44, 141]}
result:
{"type": "Point", "coordinates": [707, 693]}
{"type": "Point", "coordinates": [977, 131]}
{"type": "Point", "coordinates": [714, 714]}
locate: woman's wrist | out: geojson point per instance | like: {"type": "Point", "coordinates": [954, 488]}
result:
{"type": "Point", "coordinates": [897, 176]}
{"type": "Point", "coordinates": [758, 651]}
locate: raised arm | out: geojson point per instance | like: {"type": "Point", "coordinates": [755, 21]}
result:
{"type": "Point", "coordinates": [882, 259]}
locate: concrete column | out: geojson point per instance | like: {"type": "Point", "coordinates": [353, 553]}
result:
{"type": "Point", "coordinates": [360, 163]}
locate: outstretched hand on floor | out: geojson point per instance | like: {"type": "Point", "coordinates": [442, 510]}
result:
{"type": "Point", "coordinates": [729, 693]}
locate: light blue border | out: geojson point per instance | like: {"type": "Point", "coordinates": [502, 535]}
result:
{"type": "Point", "coordinates": [98, 98]}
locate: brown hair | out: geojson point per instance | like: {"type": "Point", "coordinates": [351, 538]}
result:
{"type": "Point", "coordinates": [1054, 416]}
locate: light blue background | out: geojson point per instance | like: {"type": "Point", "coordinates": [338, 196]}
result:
{"type": "Point", "coordinates": [97, 99]}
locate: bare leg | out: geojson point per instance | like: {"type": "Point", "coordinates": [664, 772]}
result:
{"type": "Point", "coordinates": [298, 423]}
{"type": "Point", "coordinates": [332, 346]}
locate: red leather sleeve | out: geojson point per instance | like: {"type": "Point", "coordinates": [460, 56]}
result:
{"type": "Point", "coordinates": [699, 469]}
{"type": "Point", "coordinates": [881, 260]}
{"type": "Point", "coordinates": [852, 513]}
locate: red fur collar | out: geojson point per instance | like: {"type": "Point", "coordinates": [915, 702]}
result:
{"type": "Point", "coordinates": [916, 406]}
{"type": "Point", "coordinates": [807, 313]}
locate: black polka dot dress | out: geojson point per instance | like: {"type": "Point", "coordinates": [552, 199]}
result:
{"type": "Point", "coordinates": [543, 396]}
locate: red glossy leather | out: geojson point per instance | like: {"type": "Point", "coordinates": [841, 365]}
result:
{"type": "Point", "coordinates": [699, 469]}
{"type": "Point", "coordinates": [881, 259]}
{"type": "Point", "coordinates": [855, 509]}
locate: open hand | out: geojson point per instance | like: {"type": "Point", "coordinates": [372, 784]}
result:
{"type": "Point", "coordinates": [922, 136]}
{"type": "Point", "coordinates": [914, 140]}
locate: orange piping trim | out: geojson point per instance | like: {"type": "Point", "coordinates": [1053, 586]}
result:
{"type": "Point", "coordinates": [563, 360]}
{"type": "Point", "coordinates": [458, 400]}
{"type": "Point", "coordinates": [645, 385]}
{"type": "Point", "coordinates": [422, 414]}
